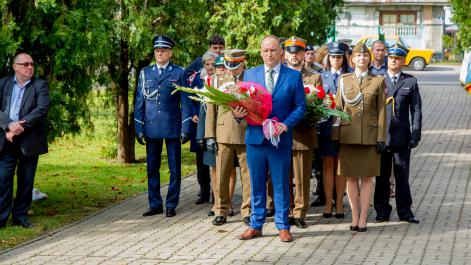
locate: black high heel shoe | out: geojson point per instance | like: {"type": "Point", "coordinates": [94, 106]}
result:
{"type": "Point", "coordinates": [353, 228]}
{"type": "Point", "coordinates": [361, 229]}
{"type": "Point", "coordinates": [328, 215]}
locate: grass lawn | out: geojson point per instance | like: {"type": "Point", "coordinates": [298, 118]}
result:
{"type": "Point", "coordinates": [79, 181]}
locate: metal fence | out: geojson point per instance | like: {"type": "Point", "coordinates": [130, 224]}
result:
{"type": "Point", "coordinates": [417, 36]}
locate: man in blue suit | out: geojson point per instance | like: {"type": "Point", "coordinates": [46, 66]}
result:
{"type": "Point", "coordinates": [404, 124]}
{"type": "Point", "coordinates": [289, 105]}
{"type": "Point", "coordinates": [158, 117]}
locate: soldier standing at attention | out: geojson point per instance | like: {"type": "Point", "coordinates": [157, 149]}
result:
{"type": "Point", "coordinates": [229, 135]}
{"type": "Point", "coordinates": [304, 136]}
{"type": "Point", "coordinates": [336, 65]}
{"type": "Point", "coordinates": [158, 117]}
{"type": "Point", "coordinates": [403, 104]}
{"type": "Point", "coordinates": [361, 95]}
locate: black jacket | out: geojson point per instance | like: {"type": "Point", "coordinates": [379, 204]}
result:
{"type": "Point", "coordinates": [33, 109]}
{"type": "Point", "coordinates": [404, 120]}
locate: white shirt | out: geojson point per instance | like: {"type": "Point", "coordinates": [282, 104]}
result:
{"type": "Point", "coordinates": [339, 72]}
{"type": "Point", "coordinates": [275, 74]}
{"type": "Point", "coordinates": [362, 75]}
{"type": "Point", "coordinates": [162, 66]}
{"type": "Point", "coordinates": [396, 75]}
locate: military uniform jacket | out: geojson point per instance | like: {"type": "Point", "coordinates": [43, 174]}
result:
{"type": "Point", "coordinates": [220, 124]}
{"type": "Point", "coordinates": [406, 100]}
{"type": "Point", "coordinates": [324, 128]}
{"type": "Point", "coordinates": [304, 136]}
{"type": "Point", "coordinates": [368, 124]}
{"type": "Point", "coordinates": [157, 112]}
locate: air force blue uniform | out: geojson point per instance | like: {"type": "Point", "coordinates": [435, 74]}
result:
{"type": "Point", "coordinates": [327, 147]}
{"type": "Point", "coordinates": [158, 116]}
{"type": "Point", "coordinates": [404, 122]}
{"type": "Point", "coordinates": [289, 105]}
{"type": "Point", "coordinates": [196, 133]}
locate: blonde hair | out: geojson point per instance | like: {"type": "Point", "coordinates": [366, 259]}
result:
{"type": "Point", "coordinates": [353, 55]}
{"type": "Point", "coordinates": [321, 54]}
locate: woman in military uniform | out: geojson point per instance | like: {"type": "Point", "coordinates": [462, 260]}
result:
{"type": "Point", "coordinates": [361, 95]}
{"type": "Point", "coordinates": [335, 65]}
{"type": "Point", "coordinates": [205, 150]}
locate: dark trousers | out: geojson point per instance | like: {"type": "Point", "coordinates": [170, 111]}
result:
{"type": "Point", "coordinates": [154, 155]}
{"type": "Point", "coordinates": [11, 157]}
{"type": "Point", "coordinates": [398, 160]}
{"type": "Point", "coordinates": [202, 175]}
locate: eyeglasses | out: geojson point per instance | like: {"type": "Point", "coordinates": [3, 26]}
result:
{"type": "Point", "coordinates": [27, 64]}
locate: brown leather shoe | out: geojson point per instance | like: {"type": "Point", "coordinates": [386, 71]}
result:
{"type": "Point", "coordinates": [285, 235]}
{"type": "Point", "coordinates": [250, 234]}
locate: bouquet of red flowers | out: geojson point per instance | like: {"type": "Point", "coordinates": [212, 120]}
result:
{"type": "Point", "coordinates": [320, 105]}
{"type": "Point", "coordinates": [251, 96]}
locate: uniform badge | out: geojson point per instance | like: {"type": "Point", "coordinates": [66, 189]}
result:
{"type": "Point", "coordinates": [406, 88]}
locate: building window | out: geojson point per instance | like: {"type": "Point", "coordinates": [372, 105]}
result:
{"type": "Point", "coordinates": [389, 19]}
{"type": "Point", "coordinates": [397, 17]}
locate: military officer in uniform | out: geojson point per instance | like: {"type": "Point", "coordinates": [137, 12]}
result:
{"type": "Point", "coordinates": [404, 123]}
{"type": "Point", "coordinates": [304, 136]}
{"type": "Point", "coordinates": [361, 95]}
{"type": "Point", "coordinates": [336, 65]}
{"type": "Point", "coordinates": [157, 118]}
{"type": "Point", "coordinates": [229, 135]}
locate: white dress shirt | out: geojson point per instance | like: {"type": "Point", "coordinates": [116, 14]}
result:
{"type": "Point", "coordinates": [275, 74]}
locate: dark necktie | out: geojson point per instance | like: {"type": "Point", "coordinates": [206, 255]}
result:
{"type": "Point", "coordinates": [336, 78]}
{"type": "Point", "coordinates": [394, 80]}
{"type": "Point", "coordinates": [161, 70]}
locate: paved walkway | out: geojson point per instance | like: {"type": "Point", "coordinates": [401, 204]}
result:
{"type": "Point", "coordinates": [440, 174]}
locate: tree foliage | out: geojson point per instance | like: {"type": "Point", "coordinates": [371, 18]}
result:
{"type": "Point", "coordinates": [461, 16]}
{"type": "Point", "coordinates": [244, 23]}
{"type": "Point", "coordinates": [82, 44]}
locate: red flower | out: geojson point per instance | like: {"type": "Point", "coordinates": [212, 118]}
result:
{"type": "Point", "coordinates": [243, 89]}
{"type": "Point", "coordinates": [306, 90]}
{"type": "Point", "coordinates": [332, 101]}
{"type": "Point", "coordinates": [320, 92]}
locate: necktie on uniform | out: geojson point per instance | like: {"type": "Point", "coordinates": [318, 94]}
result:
{"type": "Point", "coordinates": [336, 78]}
{"type": "Point", "coordinates": [161, 70]}
{"type": "Point", "coordinates": [394, 80]}
{"type": "Point", "coordinates": [360, 79]}
{"type": "Point", "coordinates": [271, 81]}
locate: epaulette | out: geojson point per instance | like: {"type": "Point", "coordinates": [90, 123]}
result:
{"type": "Point", "coordinates": [312, 71]}
{"type": "Point", "coordinates": [148, 67]}
{"type": "Point", "coordinates": [346, 74]}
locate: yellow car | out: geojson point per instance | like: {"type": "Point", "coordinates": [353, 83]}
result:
{"type": "Point", "coordinates": [417, 59]}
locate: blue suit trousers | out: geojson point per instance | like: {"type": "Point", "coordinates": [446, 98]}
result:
{"type": "Point", "coordinates": [11, 157]}
{"type": "Point", "coordinates": [260, 159]}
{"type": "Point", "coordinates": [154, 155]}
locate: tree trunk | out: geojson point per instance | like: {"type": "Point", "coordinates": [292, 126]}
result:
{"type": "Point", "coordinates": [126, 142]}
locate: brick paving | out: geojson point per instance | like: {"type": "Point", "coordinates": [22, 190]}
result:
{"type": "Point", "coordinates": [440, 173]}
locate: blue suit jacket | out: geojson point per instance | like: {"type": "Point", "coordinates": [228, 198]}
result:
{"type": "Point", "coordinates": [160, 116]}
{"type": "Point", "coordinates": [288, 101]}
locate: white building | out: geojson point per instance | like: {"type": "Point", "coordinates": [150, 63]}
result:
{"type": "Point", "coordinates": [420, 23]}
